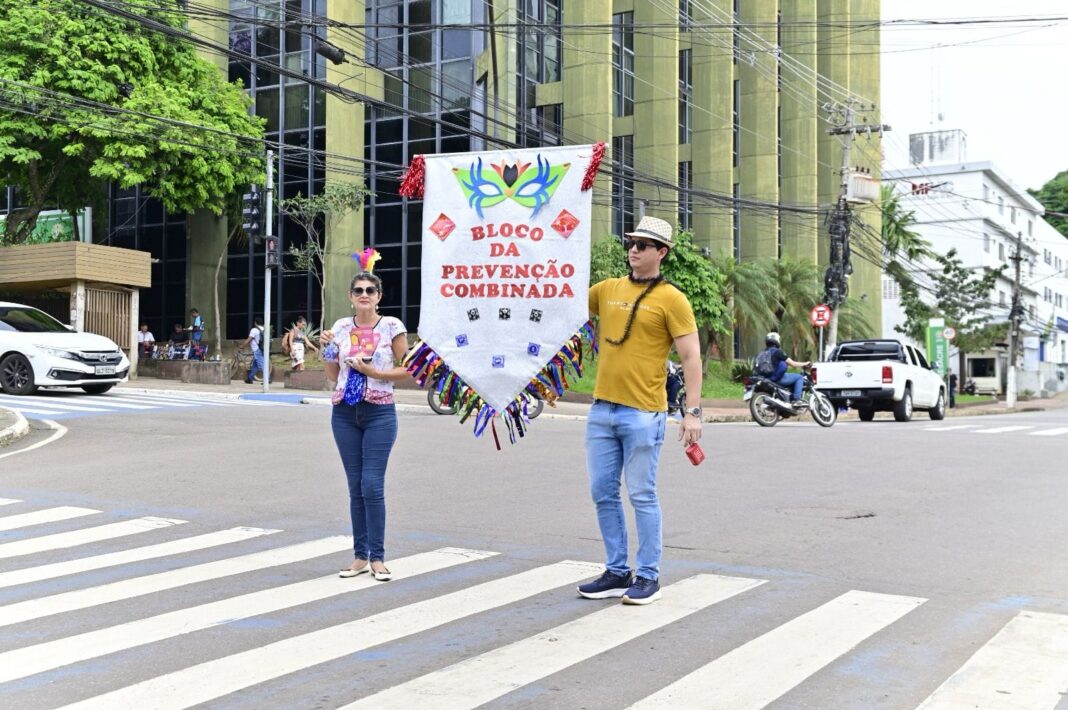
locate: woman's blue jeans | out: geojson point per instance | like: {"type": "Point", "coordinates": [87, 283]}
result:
{"type": "Point", "coordinates": [627, 441]}
{"type": "Point", "coordinates": [364, 434]}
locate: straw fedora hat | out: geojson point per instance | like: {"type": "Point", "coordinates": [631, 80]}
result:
{"type": "Point", "coordinates": [655, 228]}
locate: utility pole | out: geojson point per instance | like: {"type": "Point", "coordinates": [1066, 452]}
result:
{"type": "Point", "coordinates": [835, 280]}
{"type": "Point", "coordinates": [268, 233]}
{"type": "Point", "coordinates": [1014, 327]}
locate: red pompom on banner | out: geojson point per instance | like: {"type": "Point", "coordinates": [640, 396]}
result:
{"type": "Point", "coordinates": [591, 169]}
{"type": "Point", "coordinates": [415, 179]}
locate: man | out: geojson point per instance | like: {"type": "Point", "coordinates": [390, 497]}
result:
{"type": "Point", "coordinates": [254, 343]}
{"type": "Point", "coordinates": [179, 344]}
{"type": "Point", "coordinates": [145, 341]}
{"type": "Point", "coordinates": [641, 317]}
{"type": "Point", "coordinates": [779, 361]}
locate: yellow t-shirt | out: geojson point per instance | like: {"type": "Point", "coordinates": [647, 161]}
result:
{"type": "Point", "coordinates": [634, 373]}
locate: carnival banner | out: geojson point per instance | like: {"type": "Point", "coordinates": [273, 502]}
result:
{"type": "Point", "coordinates": [506, 265]}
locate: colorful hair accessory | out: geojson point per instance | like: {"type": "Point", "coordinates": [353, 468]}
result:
{"type": "Point", "coordinates": [367, 259]}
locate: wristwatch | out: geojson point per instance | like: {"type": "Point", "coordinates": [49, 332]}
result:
{"type": "Point", "coordinates": [695, 411]}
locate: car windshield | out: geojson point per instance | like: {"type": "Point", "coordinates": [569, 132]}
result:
{"type": "Point", "coordinates": [21, 319]}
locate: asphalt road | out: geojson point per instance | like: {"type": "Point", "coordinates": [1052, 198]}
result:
{"type": "Point", "coordinates": [952, 531]}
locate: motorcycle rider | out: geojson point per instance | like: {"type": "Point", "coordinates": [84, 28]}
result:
{"type": "Point", "coordinates": [780, 361]}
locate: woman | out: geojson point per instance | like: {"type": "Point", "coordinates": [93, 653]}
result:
{"type": "Point", "coordinates": [294, 341]}
{"type": "Point", "coordinates": [364, 417]}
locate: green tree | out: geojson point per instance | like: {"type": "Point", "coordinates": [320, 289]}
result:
{"type": "Point", "coordinates": [746, 289]}
{"type": "Point", "coordinates": [960, 296]}
{"type": "Point", "coordinates": [88, 97]}
{"type": "Point", "coordinates": [1054, 197]}
{"type": "Point", "coordinates": [797, 291]}
{"type": "Point", "coordinates": [317, 215]}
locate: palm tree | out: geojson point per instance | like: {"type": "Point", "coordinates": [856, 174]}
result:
{"type": "Point", "coordinates": [797, 291]}
{"type": "Point", "coordinates": [898, 237]}
{"type": "Point", "coordinates": [748, 290]}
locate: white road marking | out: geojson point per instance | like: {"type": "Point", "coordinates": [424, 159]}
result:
{"type": "Point", "coordinates": [58, 430]}
{"type": "Point", "coordinates": [38, 403]}
{"type": "Point", "coordinates": [757, 673]}
{"type": "Point", "coordinates": [1024, 666]}
{"type": "Point", "coordinates": [152, 401]}
{"type": "Point", "coordinates": [161, 581]}
{"type": "Point", "coordinates": [479, 680]}
{"type": "Point", "coordinates": [9, 501]}
{"type": "Point", "coordinates": [137, 554]}
{"type": "Point", "coordinates": [214, 679]}
{"type": "Point", "coordinates": [179, 401]}
{"type": "Point", "coordinates": [30, 660]}
{"type": "Point", "coordinates": [73, 538]}
{"type": "Point", "coordinates": [1001, 429]}
{"type": "Point", "coordinates": [39, 517]}
{"type": "Point", "coordinates": [1049, 432]}
{"type": "Point", "coordinates": [954, 427]}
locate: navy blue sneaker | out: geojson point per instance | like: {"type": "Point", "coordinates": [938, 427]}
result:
{"type": "Point", "coordinates": [607, 586]}
{"type": "Point", "coordinates": [643, 591]}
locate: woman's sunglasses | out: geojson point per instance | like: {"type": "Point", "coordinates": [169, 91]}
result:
{"type": "Point", "coordinates": [360, 290]}
{"type": "Point", "coordinates": [638, 244]}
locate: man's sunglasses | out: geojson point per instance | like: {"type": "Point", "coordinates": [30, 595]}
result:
{"type": "Point", "coordinates": [638, 244]}
{"type": "Point", "coordinates": [360, 290]}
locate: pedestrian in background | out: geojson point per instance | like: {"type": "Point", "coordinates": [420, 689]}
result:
{"type": "Point", "coordinates": [254, 342]}
{"type": "Point", "coordinates": [641, 317]}
{"type": "Point", "coordinates": [294, 342]}
{"type": "Point", "coordinates": [364, 417]}
{"type": "Point", "coordinates": [146, 341]}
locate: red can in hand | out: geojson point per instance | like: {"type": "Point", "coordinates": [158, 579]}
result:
{"type": "Point", "coordinates": [694, 453]}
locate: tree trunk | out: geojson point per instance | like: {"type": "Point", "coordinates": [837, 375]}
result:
{"type": "Point", "coordinates": [218, 323]}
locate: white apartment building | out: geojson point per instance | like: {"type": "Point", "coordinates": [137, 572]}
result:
{"type": "Point", "coordinates": [975, 208]}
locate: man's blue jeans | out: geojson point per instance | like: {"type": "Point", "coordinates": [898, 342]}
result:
{"type": "Point", "coordinates": [627, 441]}
{"type": "Point", "coordinates": [364, 434]}
{"type": "Point", "coordinates": [793, 379]}
{"type": "Point", "coordinates": [257, 365]}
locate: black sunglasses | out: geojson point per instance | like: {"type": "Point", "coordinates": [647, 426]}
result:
{"type": "Point", "coordinates": [629, 244]}
{"type": "Point", "coordinates": [360, 290]}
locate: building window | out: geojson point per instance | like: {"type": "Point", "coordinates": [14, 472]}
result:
{"type": "Point", "coordinates": [623, 63]}
{"type": "Point", "coordinates": [1001, 251]}
{"type": "Point", "coordinates": [622, 185]}
{"type": "Point", "coordinates": [735, 15]}
{"type": "Point", "coordinates": [1012, 215]}
{"type": "Point", "coordinates": [1001, 298]}
{"type": "Point", "coordinates": [891, 290]}
{"type": "Point", "coordinates": [685, 197]}
{"type": "Point", "coordinates": [1001, 205]}
{"type": "Point", "coordinates": [736, 225]}
{"type": "Point", "coordinates": [986, 243]}
{"type": "Point", "coordinates": [737, 117]}
{"type": "Point", "coordinates": [685, 96]}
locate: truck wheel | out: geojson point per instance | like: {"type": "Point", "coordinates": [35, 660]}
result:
{"type": "Point", "coordinates": [866, 414]}
{"type": "Point", "coordinates": [763, 413]}
{"type": "Point", "coordinates": [903, 409]}
{"type": "Point", "coordinates": [938, 412]}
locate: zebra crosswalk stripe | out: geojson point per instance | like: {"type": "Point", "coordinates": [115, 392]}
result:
{"type": "Point", "coordinates": [137, 554]}
{"type": "Point", "coordinates": [953, 427]}
{"type": "Point", "coordinates": [73, 538]}
{"type": "Point", "coordinates": [1025, 665]}
{"type": "Point", "coordinates": [479, 680]}
{"type": "Point", "coordinates": [38, 404]}
{"type": "Point", "coordinates": [153, 401]}
{"type": "Point", "coordinates": [39, 517]}
{"type": "Point", "coordinates": [756, 673]}
{"type": "Point", "coordinates": [1001, 429]}
{"type": "Point", "coordinates": [9, 501]}
{"type": "Point", "coordinates": [213, 679]}
{"type": "Point", "coordinates": [161, 581]}
{"type": "Point", "coordinates": [1049, 432]}
{"type": "Point", "coordinates": [177, 401]}
{"type": "Point", "coordinates": [42, 657]}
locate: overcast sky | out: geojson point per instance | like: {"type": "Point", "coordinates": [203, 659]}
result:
{"type": "Point", "coordinates": [1003, 85]}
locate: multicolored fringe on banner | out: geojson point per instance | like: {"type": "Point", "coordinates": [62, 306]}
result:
{"type": "Point", "coordinates": [427, 367]}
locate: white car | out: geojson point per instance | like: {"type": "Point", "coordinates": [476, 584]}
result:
{"type": "Point", "coordinates": [36, 350]}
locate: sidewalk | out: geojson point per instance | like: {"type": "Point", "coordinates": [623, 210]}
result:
{"type": "Point", "coordinates": [13, 426]}
{"type": "Point", "coordinates": [573, 404]}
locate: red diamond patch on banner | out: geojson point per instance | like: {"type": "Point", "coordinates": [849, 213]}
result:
{"type": "Point", "coordinates": [565, 223]}
{"type": "Point", "coordinates": [442, 226]}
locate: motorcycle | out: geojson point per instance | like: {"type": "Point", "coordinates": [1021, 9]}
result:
{"type": "Point", "coordinates": [676, 388]}
{"type": "Point", "coordinates": [433, 398]}
{"type": "Point", "coordinates": [769, 402]}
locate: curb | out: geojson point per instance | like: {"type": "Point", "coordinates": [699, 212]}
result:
{"type": "Point", "coordinates": [16, 431]}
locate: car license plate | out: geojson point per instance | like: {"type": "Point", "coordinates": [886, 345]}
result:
{"type": "Point", "coordinates": [850, 393]}
{"type": "Point", "coordinates": [747, 396]}
{"type": "Point", "coordinates": [105, 370]}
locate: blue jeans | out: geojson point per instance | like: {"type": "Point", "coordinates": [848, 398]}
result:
{"type": "Point", "coordinates": [793, 379]}
{"type": "Point", "coordinates": [627, 441]}
{"type": "Point", "coordinates": [364, 434]}
{"type": "Point", "coordinates": [257, 365]}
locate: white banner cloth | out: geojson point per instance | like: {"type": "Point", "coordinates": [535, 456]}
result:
{"type": "Point", "coordinates": [506, 262]}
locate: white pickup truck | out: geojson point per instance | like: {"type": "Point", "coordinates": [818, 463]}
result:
{"type": "Point", "coordinates": [881, 376]}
